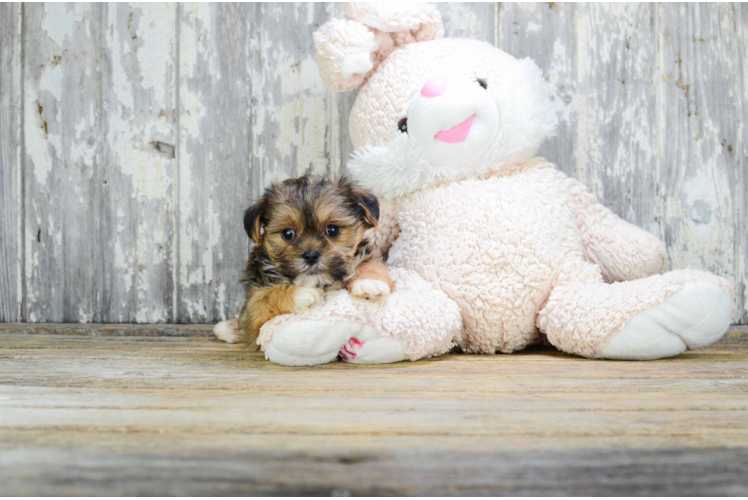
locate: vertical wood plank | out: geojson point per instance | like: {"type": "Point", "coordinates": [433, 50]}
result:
{"type": "Point", "coordinates": [741, 287]}
{"type": "Point", "coordinates": [616, 128]}
{"type": "Point", "coordinates": [99, 143]}
{"type": "Point", "coordinates": [473, 20]}
{"type": "Point", "coordinates": [545, 33]}
{"type": "Point", "coordinates": [295, 114]}
{"type": "Point", "coordinates": [62, 184]}
{"type": "Point", "coordinates": [699, 114]}
{"type": "Point", "coordinates": [214, 163]}
{"type": "Point", "coordinates": [293, 128]}
{"type": "Point", "coordinates": [11, 202]}
{"type": "Point", "coordinates": [344, 104]}
{"type": "Point", "coordinates": [137, 161]}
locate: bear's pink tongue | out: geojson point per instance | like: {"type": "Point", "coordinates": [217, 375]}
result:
{"type": "Point", "coordinates": [457, 133]}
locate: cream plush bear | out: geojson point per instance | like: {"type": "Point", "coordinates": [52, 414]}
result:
{"type": "Point", "coordinates": [490, 247]}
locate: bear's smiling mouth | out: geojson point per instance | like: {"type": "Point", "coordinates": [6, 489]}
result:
{"type": "Point", "coordinates": [456, 134]}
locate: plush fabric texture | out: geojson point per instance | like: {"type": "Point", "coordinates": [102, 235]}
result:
{"type": "Point", "coordinates": [490, 247]}
{"type": "Point", "coordinates": [368, 36]}
{"type": "Point", "coordinates": [423, 319]}
{"type": "Point", "coordinates": [695, 316]}
{"type": "Point", "coordinates": [582, 318]}
{"type": "Point", "coordinates": [343, 45]}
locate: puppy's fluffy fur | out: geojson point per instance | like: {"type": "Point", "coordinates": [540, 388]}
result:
{"type": "Point", "coordinates": [309, 235]}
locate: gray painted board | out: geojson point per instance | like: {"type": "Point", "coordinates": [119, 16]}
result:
{"type": "Point", "coordinates": [99, 130]}
{"type": "Point", "coordinates": [138, 135]}
{"type": "Point", "coordinates": [215, 150]}
{"type": "Point", "coordinates": [741, 251]}
{"type": "Point", "coordinates": [699, 119]}
{"type": "Point", "coordinates": [615, 125]}
{"type": "Point", "coordinates": [133, 136]}
{"type": "Point", "coordinates": [11, 205]}
{"type": "Point", "coordinates": [546, 33]}
{"type": "Point", "coordinates": [62, 162]}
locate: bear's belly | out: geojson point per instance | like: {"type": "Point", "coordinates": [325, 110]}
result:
{"type": "Point", "coordinates": [495, 246]}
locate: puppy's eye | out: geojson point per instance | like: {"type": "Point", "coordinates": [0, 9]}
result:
{"type": "Point", "coordinates": [332, 231]}
{"type": "Point", "coordinates": [288, 234]}
{"type": "Point", "coordinates": [402, 125]}
{"type": "Point", "coordinates": [482, 83]}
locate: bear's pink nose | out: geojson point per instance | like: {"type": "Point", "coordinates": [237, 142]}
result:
{"type": "Point", "coordinates": [434, 87]}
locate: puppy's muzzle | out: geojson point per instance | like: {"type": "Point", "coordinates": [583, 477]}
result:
{"type": "Point", "coordinates": [310, 257]}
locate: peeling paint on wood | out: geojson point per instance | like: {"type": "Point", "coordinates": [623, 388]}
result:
{"type": "Point", "coordinates": [699, 116]}
{"type": "Point", "coordinates": [215, 92]}
{"type": "Point", "coordinates": [11, 197]}
{"type": "Point", "coordinates": [99, 91]}
{"type": "Point", "coordinates": [139, 136]}
{"type": "Point", "coordinates": [740, 19]}
{"type": "Point", "coordinates": [469, 20]}
{"type": "Point", "coordinates": [615, 130]}
{"type": "Point", "coordinates": [292, 131]}
{"type": "Point", "coordinates": [62, 174]}
{"type": "Point", "coordinates": [546, 33]}
{"type": "Point", "coordinates": [133, 136]}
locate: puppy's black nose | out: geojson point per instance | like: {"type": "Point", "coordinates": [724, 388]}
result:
{"type": "Point", "coordinates": [310, 256]}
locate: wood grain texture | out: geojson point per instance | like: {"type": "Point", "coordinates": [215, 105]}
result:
{"type": "Point", "coordinates": [547, 33]}
{"type": "Point", "coordinates": [63, 181]}
{"type": "Point", "coordinates": [215, 151]}
{"type": "Point", "coordinates": [292, 130]}
{"type": "Point", "coordinates": [11, 198]}
{"type": "Point", "coordinates": [142, 132]}
{"type": "Point", "coordinates": [94, 413]}
{"type": "Point", "coordinates": [616, 140]}
{"type": "Point", "coordinates": [99, 112]}
{"type": "Point", "coordinates": [137, 163]}
{"type": "Point", "coordinates": [741, 289]}
{"type": "Point", "coordinates": [699, 110]}
{"type": "Point", "coordinates": [469, 20]}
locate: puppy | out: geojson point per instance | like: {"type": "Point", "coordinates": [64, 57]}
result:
{"type": "Point", "coordinates": [309, 235]}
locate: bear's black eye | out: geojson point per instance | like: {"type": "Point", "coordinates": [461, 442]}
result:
{"type": "Point", "coordinates": [482, 83]}
{"type": "Point", "coordinates": [288, 234]}
{"type": "Point", "coordinates": [332, 231]}
{"type": "Point", "coordinates": [402, 125]}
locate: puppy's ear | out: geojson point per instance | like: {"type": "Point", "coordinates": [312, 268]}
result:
{"type": "Point", "coordinates": [253, 219]}
{"type": "Point", "coordinates": [370, 205]}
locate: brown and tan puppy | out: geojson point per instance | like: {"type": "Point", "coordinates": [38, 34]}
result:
{"type": "Point", "coordinates": [309, 235]}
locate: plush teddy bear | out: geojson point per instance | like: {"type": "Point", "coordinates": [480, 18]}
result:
{"type": "Point", "coordinates": [490, 247]}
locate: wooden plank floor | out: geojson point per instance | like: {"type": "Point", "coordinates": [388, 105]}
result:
{"type": "Point", "coordinates": [120, 410]}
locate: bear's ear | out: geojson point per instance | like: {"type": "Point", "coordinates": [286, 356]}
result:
{"type": "Point", "coordinates": [350, 50]}
{"type": "Point", "coordinates": [407, 22]}
{"type": "Point", "coordinates": [345, 53]}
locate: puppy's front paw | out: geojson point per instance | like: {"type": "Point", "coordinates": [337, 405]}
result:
{"type": "Point", "coordinates": [305, 297]}
{"type": "Point", "coordinates": [370, 289]}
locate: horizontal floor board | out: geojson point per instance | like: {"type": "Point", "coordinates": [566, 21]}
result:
{"type": "Point", "coordinates": [122, 410]}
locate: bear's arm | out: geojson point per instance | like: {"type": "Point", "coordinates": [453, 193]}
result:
{"type": "Point", "coordinates": [381, 237]}
{"type": "Point", "coordinates": [622, 250]}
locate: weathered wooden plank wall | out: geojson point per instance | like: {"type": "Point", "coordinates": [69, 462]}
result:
{"type": "Point", "coordinates": [11, 198]}
{"type": "Point", "coordinates": [133, 136]}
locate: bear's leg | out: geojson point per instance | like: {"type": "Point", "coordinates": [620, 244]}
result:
{"type": "Point", "coordinates": [416, 321]}
{"type": "Point", "coordinates": [651, 318]}
{"type": "Point", "coordinates": [309, 342]}
{"type": "Point", "coordinates": [369, 347]}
